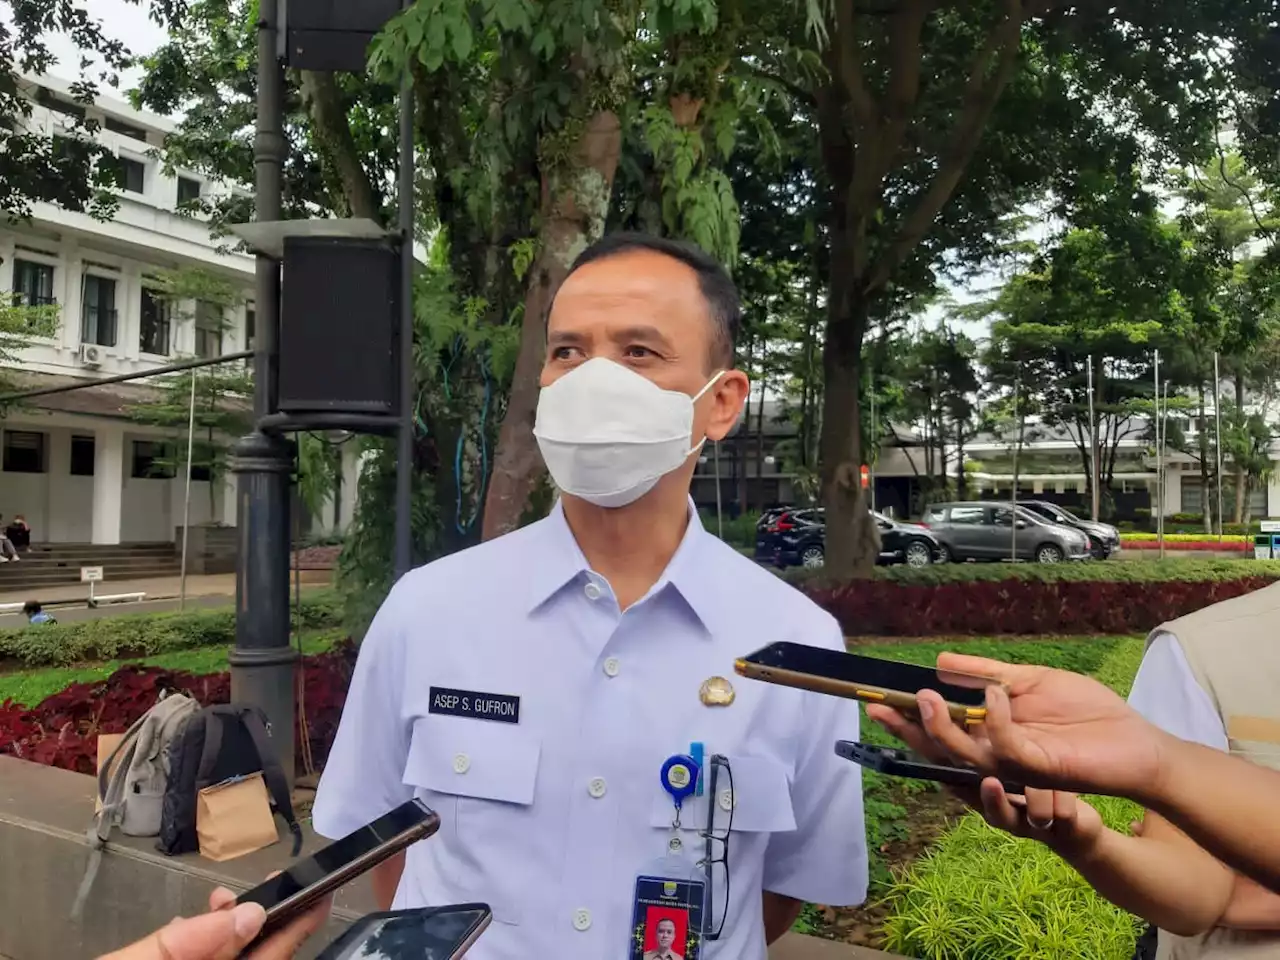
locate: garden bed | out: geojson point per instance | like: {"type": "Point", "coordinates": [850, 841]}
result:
{"type": "Point", "coordinates": [1019, 599]}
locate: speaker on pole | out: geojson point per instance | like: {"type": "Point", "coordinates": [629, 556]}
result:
{"type": "Point", "coordinates": [339, 326]}
{"type": "Point", "coordinates": [332, 35]}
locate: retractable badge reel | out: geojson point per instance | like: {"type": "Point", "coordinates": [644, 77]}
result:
{"type": "Point", "coordinates": [670, 895]}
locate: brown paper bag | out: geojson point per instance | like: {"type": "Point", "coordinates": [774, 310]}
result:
{"type": "Point", "coordinates": [107, 743]}
{"type": "Point", "coordinates": [234, 819]}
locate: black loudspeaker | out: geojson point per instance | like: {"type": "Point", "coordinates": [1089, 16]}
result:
{"type": "Point", "coordinates": [332, 35]}
{"type": "Point", "coordinates": [339, 326]}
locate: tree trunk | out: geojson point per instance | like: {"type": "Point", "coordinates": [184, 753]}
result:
{"type": "Point", "coordinates": [1241, 476]}
{"type": "Point", "coordinates": [853, 542]}
{"type": "Point", "coordinates": [962, 486]}
{"type": "Point", "coordinates": [740, 453]}
{"type": "Point", "coordinates": [574, 205]}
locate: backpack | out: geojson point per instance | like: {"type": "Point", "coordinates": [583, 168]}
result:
{"type": "Point", "coordinates": [216, 744]}
{"type": "Point", "coordinates": [133, 781]}
{"type": "Point", "coordinates": [1146, 946]}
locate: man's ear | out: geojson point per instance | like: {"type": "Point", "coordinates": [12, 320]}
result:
{"type": "Point", "coordinates": [728, 396]}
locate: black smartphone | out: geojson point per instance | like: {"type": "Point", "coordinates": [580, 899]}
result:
{"type": "Point", "coordinates": [289, 894]}
{"type": "Point", "coordinates": [428, 933]}
{"type": "Point", "coordinates": [903, 763]}
{"type": "Point", "coordinates": [871, 679]}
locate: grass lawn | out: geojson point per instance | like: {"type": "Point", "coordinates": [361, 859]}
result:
{"type": "Point", "coordinates": [29, 687]}
{"type": "Point", "coordinates": [906, 817]}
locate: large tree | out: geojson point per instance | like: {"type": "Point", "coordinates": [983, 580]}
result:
{"type": "Point", "coordinates": [937, 119]}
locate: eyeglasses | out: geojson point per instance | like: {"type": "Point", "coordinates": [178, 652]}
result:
{"type": "Point", "coordinates": [717, 838]}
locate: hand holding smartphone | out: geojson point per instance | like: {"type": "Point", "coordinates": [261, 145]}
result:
{"type": "Point", "coordinates": [870, 679]}
{"type": "Point", "coordinates": [290, 894]}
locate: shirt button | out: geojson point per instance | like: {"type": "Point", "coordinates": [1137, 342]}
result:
{"type": "Point", "coordinates": [593, 591]}
{"type": "Point", "coordinates": [582, 920]}
{"type": "Point", "coordinates": [726, 800]}
{"type": "Point", "coordinates": [596, 787]}
{"type": "Point", "coordinates": [611, 667]}
{"type": "Point", "coordinates": [461, 763]}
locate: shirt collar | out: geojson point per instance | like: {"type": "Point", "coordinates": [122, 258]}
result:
{"type": "Point", "coordinates": [690, 572]}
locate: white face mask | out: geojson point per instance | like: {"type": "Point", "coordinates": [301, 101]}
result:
{"type": "Point", "coordinates": [608, 435]}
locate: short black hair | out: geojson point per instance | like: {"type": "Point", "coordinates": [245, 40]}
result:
{"type": "Point", "coordinates": [714, 282]}
{"type": "Point", "coordinates": [30, 607]}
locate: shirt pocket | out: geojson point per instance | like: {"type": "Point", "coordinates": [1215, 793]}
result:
{"type": "Point", "coordinates": [481, 777]}
{"type": "Point", "coordinates": [760, 800]}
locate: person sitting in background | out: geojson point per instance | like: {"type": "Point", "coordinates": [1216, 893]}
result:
{"type": "Point", "coordinates": [35, 613]}
{"type": "Point", "coordinates": [19, 533]}
{"type": "Point", "coordinates": [7, 550]}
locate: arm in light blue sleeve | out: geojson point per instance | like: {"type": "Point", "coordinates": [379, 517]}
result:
{"type": "Point", "coordinates": [824, 860]}
{"type": "Point", "coordinates": [364, 775]}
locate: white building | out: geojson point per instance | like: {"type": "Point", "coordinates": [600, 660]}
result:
{"type": "Point", "coordinates": [76, 465]}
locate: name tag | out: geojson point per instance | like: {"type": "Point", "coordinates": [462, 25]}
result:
{"type": "Point", "coordinates": [475, 705]}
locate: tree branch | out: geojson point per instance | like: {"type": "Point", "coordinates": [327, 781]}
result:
{"type": "Point", "coordinates": [982, 93]}
{"type": "Point", "coordinates": [794, 89]}
{"type": "Point", "coordinates": [324, 102]}
{"type": "Point", "coordinates": [865, 111]}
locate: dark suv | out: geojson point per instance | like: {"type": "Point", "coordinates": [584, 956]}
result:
{"type": "Point", "coordinates": [1104, 539]}
{"type": "Point", "coordinates": [797, 538]}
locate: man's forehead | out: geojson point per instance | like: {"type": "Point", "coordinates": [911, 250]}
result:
{"type": "Point", "coordinates": [627, 277]}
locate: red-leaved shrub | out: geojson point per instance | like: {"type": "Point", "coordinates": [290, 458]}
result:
{"type": "Point", "coordinates": [993, 607]}
{"type": "Point", "coordinates": [62, 730]}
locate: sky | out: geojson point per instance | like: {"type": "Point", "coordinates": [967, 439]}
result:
{"type": "Point", "coordinates": [126, 22]}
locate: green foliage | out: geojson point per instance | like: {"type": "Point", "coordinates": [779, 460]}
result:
{"type": "Point", "coordinates": [144, 635]}
{"type": "Point", "coordinates": [981, 893]}
{"type": "Point", "coordinates": [1127, 571]}
{"type": "Point", "coordinates": [1120, 666]}
{"type": "Point", "coordinates": [18, 325]}
{"type": "Point", "coordinates": [1077, 654]}
{"type": "Point", "coordinates": [739, 532]}
{"type": "Point", "coordinates": [29, 687]}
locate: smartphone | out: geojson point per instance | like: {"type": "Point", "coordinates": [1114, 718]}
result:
{"type": "Point", "coordinates": [903, 763]}
{"type": "Point", "coordinates": [289, 894]}
{"type": "Point", "coordinates": [866, 678]}
{"type": "Point", "coordinates": [428, 933]}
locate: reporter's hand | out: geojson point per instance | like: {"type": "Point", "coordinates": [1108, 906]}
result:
{"type": "Point", "coordinates": [223, 933]}
{"type": "Point", "coordinates": [1064, 823]}
{"type": "Point", "coordinates": [1052, 729]}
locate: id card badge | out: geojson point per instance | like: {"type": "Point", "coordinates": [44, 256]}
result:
{"type": "Point", "coordinates": [671, 893]}
{"type": "Point", "coordinates": [667, 911]}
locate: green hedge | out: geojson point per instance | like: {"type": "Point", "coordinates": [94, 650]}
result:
{"type": "Point", "coordinates": [144, 635]}
{"type": "Point", "coordinates": [981, 894]}
{"type": "Point", "coordinates": [1112, 571]}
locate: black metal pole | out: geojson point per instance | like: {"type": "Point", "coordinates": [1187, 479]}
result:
{"type": "Point", "coordinates": [404, 453]}
{"type": "Point", "coordinates": [263, 663]}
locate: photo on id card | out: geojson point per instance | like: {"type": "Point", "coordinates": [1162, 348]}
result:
{"type": "Point", "coordinates": [666, 921]}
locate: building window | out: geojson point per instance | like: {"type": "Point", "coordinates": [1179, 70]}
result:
{"type": "Point", "coordinates": [188, 190]}
{"type": "Point", "coordinates": [82, 455]}
{"type": "Point", "coordinates": [133, 175]}
{"type": "Point", "coordinates": [23, 451]}
{"type": "Point", "coordinates": [125, 129]}
{"type": "Point", "coordinates": [33, 283]}
{"type": "Point", "coordinates": [55, 103]}
{"type": "Point", "coordinates": [151, 461]}
{"type": "Point", "coordinates": [209, 324]}
{"type": "Point", "coordinates": [154, 334]}
{"type": "Point", "coordinates": [99, 322]}
{"type": "Point", "coordinates": [250, 326]}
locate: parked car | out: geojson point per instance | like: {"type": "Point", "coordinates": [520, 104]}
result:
{"type": "Point", "coordinates": [992, 531]}
{"type": "Point", "coordinates": [797, 538]}
{"type": "Point", "coordinates": [1104, 539]}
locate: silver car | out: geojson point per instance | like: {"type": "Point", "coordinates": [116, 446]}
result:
{"type": "Point", "coordinates": [993, 531]}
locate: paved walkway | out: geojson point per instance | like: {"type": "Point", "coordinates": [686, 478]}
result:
{"type": "Point", "coordinates": [67, 601]}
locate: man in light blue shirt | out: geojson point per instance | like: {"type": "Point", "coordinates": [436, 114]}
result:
{"type": "Point", "coordinates": [530, 689]}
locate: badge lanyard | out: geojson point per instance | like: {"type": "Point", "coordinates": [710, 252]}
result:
{"type": "Point", "coordinates": [670, 894]}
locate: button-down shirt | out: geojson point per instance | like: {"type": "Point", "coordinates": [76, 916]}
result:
{"type": "Point", "coordinates": [551, 818]}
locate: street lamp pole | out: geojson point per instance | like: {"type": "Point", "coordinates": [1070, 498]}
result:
{"type": "Point", "coordinates": [263, 664]}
